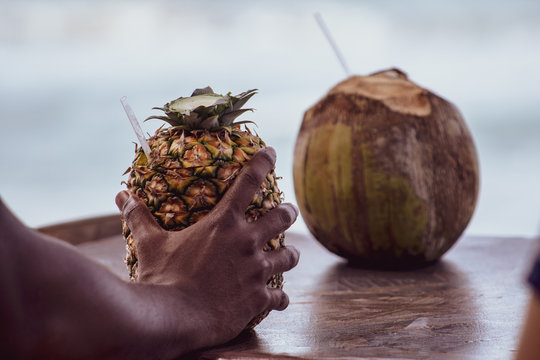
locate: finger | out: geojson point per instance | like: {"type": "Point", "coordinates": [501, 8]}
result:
{"type": "Point", "coordinates": [250, 179]}
{"type": "Point", "coordinates": [274, 222]}
{"type": "Point", "coordinates": [121, 199]}
{"type": "Point", "coordinates": [281, 260]}
{"type": "Point", "coordinates": [136, 215]}
{"type": "Point", "coordinates": [278, 299]}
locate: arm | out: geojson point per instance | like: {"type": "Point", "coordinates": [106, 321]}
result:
{"type": "Point", "coordinates": [529, 346]}
{"type": "Point", "coordinates": [56, 303]}
{"type": "Point", "coordinates": [198, 287]}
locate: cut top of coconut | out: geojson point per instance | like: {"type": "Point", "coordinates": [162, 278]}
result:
{"type": "Point", "coordinates": [392, 88]}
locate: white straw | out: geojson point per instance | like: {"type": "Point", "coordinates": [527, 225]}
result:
{"type": "Point", "coordinates": [326, 33]}
{"type": "Point", "coordinates": [136, 127]}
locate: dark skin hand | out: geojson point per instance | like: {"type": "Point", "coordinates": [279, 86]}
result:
{"type": "Point", "coordinates": [197, 287]}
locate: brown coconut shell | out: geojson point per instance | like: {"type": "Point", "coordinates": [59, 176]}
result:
{"type": "Point", "coordinates": [385, 172]}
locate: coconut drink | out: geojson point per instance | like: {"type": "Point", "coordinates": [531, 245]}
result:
{"type": "Point", "coordinates": [385, 172]}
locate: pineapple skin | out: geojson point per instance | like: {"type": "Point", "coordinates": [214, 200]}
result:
{"type": "Point", "coordinates": [189, 172]}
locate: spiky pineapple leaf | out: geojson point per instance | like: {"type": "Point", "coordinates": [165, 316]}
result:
{"type": "Point", "coordinates": [169, 120]}
{"type": "Point", "coordinates": [242, 98]}
{"type": "Point", "coordinates": [191, 120]}
{"type": "Point", "coordinates": [205, 109]}
{"type": "Point", "coordinates": [203, 91]}
{"type": "Point", "coordinates": [228, 118]}
{"type": "Point", "coordinates": [210, 122]}
{"type": "Point", "coordinates": [245, 122]}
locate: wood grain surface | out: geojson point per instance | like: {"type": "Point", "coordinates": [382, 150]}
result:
{"type": "Point", "coordinates": [470, 305]}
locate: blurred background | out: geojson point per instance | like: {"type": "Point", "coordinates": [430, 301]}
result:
{"type": "Point", "coordinates": [64, 65]}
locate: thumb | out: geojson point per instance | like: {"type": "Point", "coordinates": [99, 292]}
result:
{"type": "Point", "coordinates": [121, 199]}
{"type": "Point", "coordinates": [136, 215]}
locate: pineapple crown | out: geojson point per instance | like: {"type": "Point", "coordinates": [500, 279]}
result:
{"type": "Point", "coordinates": [205, 109]}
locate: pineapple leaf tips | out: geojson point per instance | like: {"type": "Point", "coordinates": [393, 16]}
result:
{"type": "Point", "coordinates": [205, 109]}
{"type": "Point", "coordinates": [203, 91]}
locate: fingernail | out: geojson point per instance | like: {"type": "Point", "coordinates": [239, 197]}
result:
{"type": "Point", "coordinates": [294, 209]}
{"type": "Point", "coordinates": [121, 199]}
{"type": "Point", "coordinates": [271, 151]}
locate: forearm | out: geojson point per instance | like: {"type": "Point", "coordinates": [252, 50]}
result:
{"type": "Point", "coordinates": [209, 281]}
{"type": "Point", "coordinates": [56, 303]}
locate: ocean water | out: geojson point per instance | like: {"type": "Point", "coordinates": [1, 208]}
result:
{"type": "Point", "coordinates": [65, 64]}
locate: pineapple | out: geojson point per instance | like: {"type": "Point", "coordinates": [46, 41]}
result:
{"type": "Point", "coordinates": [192, 164]}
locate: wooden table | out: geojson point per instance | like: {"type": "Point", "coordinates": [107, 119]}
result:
{"type": "Point", "coordinates": [470, 305]}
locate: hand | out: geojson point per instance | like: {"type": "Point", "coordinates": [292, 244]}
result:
{"type": "Point", "coordinates": [218, 264]}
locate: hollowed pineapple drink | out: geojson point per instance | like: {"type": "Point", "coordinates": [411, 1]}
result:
{"type": "Point", "coordinates": [193, 163]}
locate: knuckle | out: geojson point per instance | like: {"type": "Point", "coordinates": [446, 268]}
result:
{"type": "Point", "coordinates": [266, 265]}
{"type": "Point", "coordinates": [256, 239]}
{"type": "Point", "coordinates": [266, 269]}
{"type": "Point", "coordinates": [251, 178]}
{"type": "Point", "coordinates": [282, 300]}
{"type": "Point", "coordinates": [129, 208]}
{"type": "Point", "coordinates": [246, 240]}
{"type": "Point", "coordinates": [290, 258]}
{"type": "Point", "coordinates": [293, 256]}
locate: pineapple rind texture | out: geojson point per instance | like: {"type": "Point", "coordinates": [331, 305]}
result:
{"type": "Point", "coordinates": [189, 172]}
